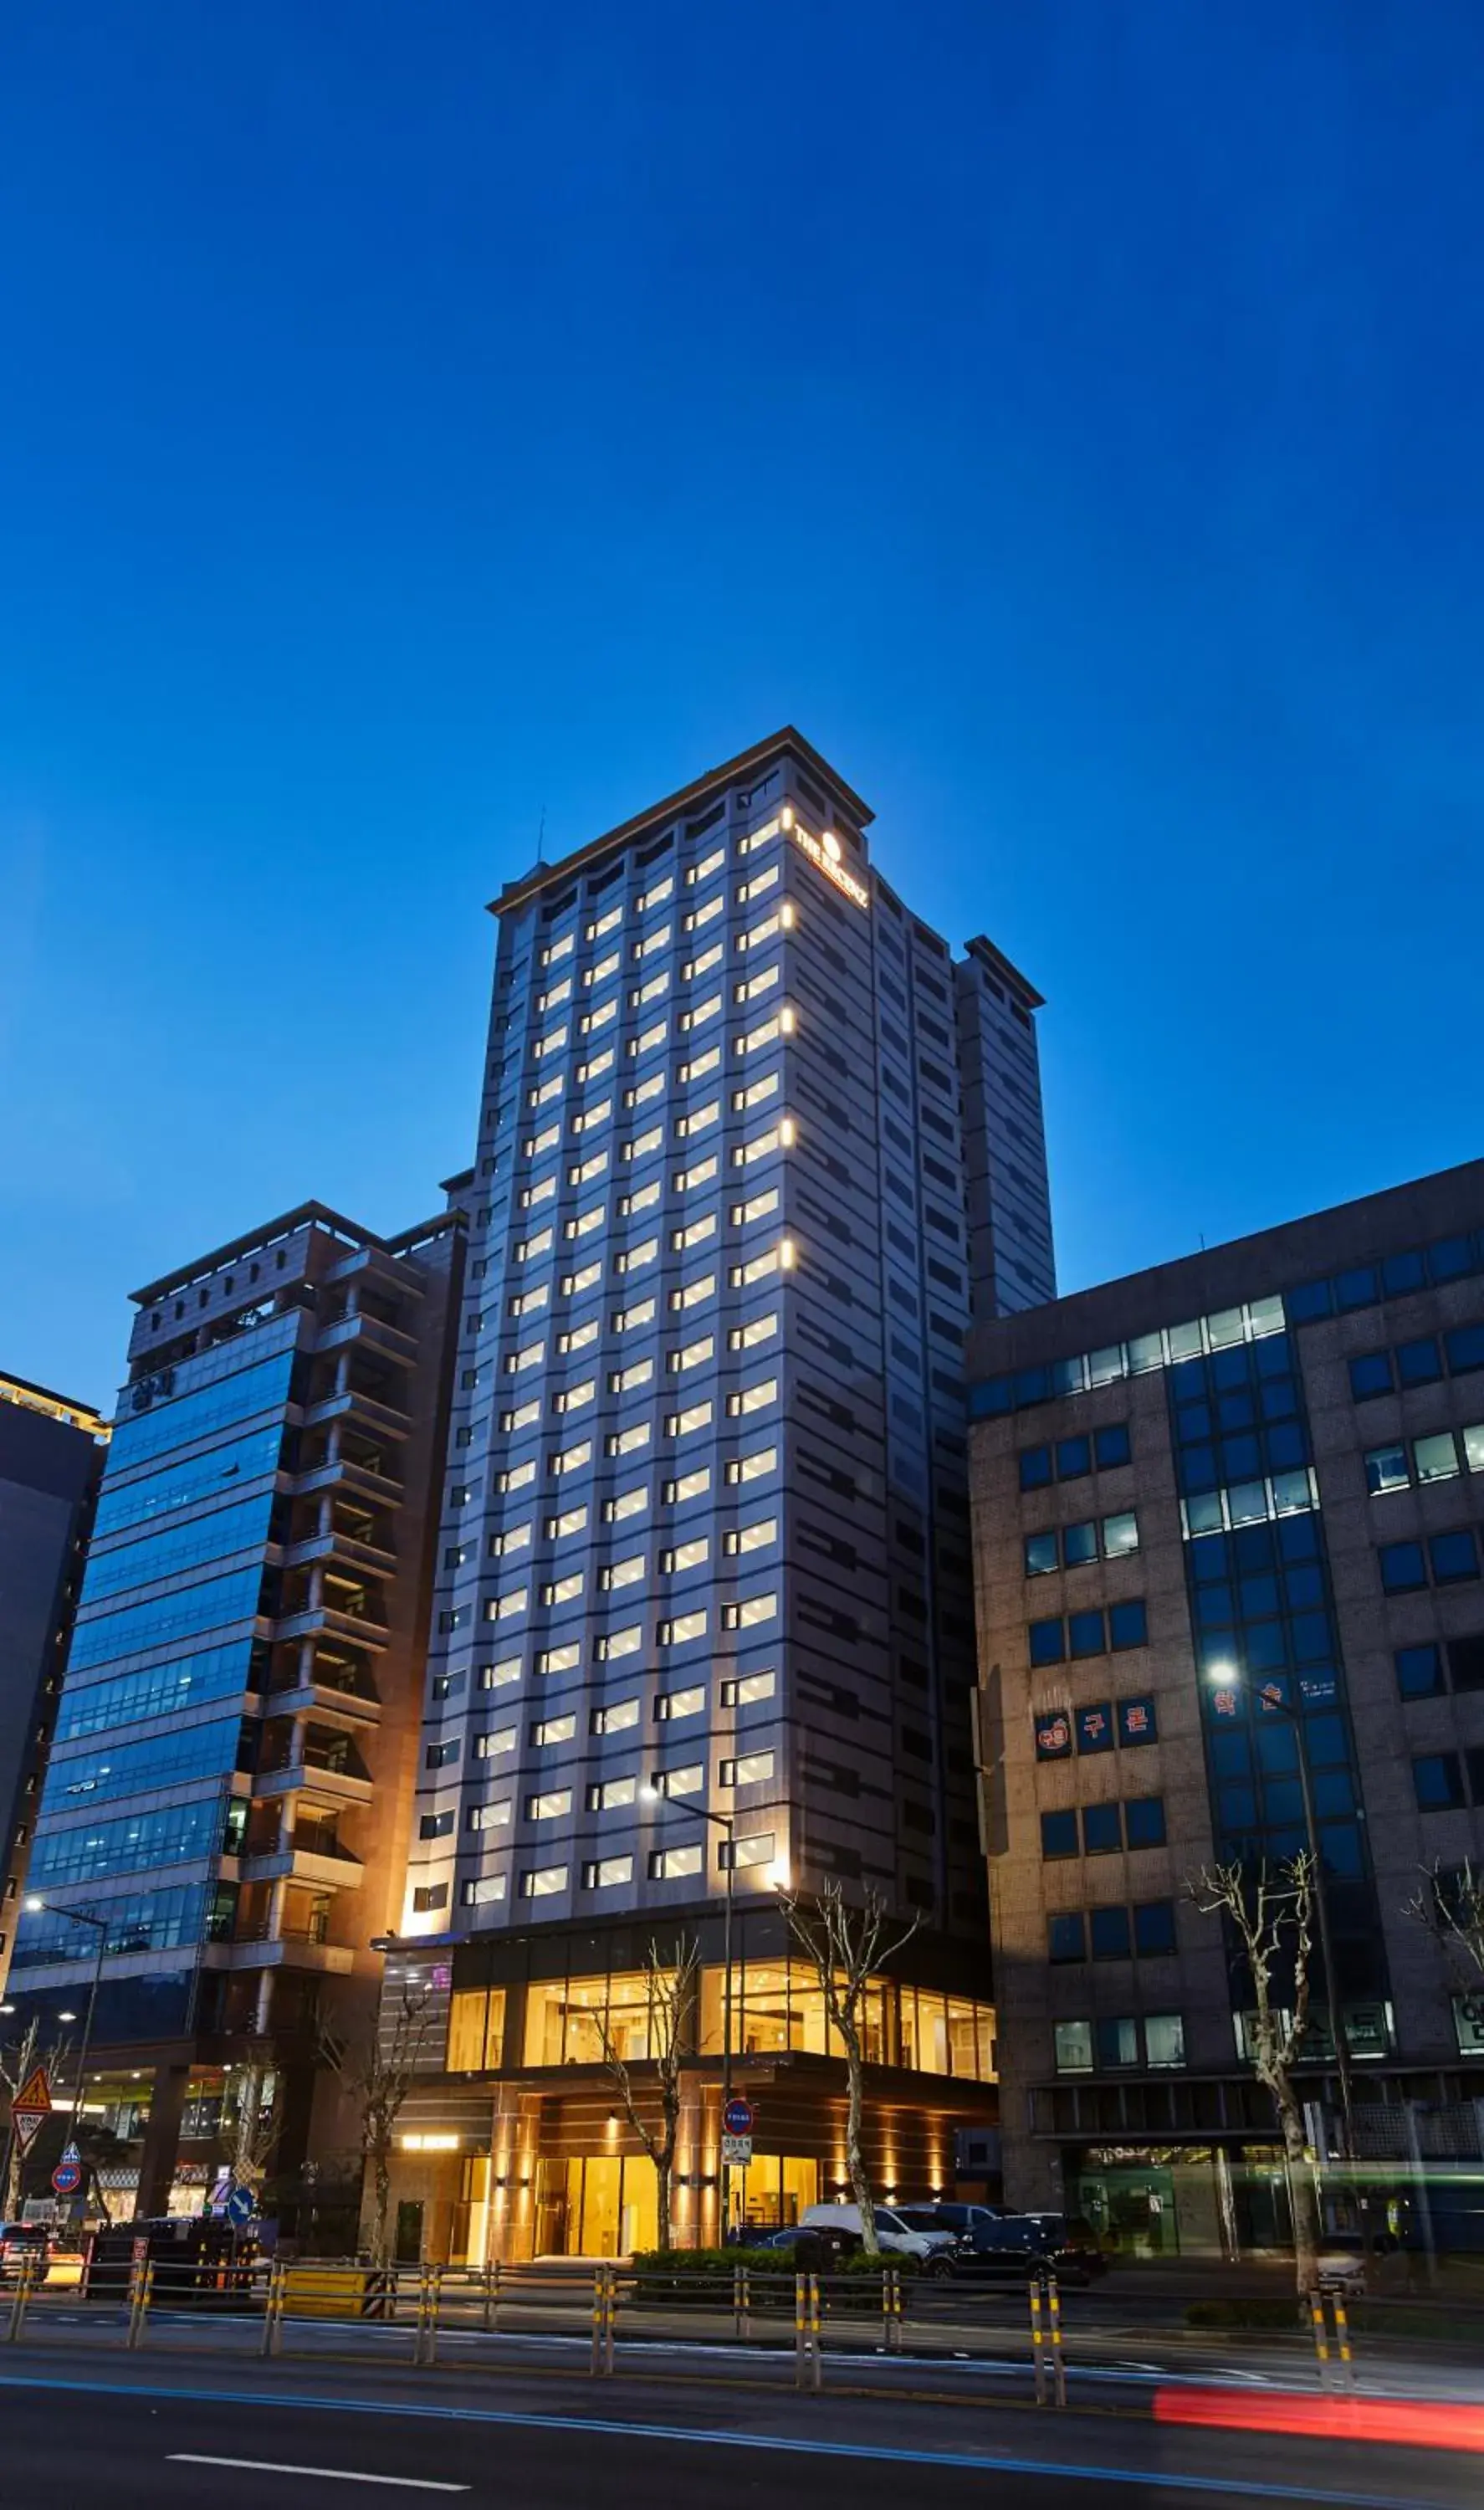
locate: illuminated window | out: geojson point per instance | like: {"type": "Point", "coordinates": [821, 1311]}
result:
{"type": "Point", "coordinates": [553, 1729]}
{"type": "Point", "coordinates": [609, 1645]}
{"type": "Point", "coordinates": [560, 1659]}
{"type": "Point", "coordinates": [616, 1718]}
{"type": "Point", "coordinates": [744, 1690]}
{"type": "Point", "coordinates": [622, 1572]}
{"type": "Point", "coordinates": [684, 1627]}
{"type": "Point", "coordinates": [752, 1538]}
{"type": "Point", "coordinates": [544, 1882]}
{"type": "Point", "coordinates": [749, 1468]}
{"type": "Point", "coordinates": [551, 1807]}
{"type": "Point", "coordinates": [673, 1864]}
{"type": "Point", "coordinates": [612, 1793]}
{"type": "Point", "coordinates": [633, 1259]}
{"type": "Point", "coordinates": [750, 1771]}
{"type": "Point", "coordinates": [604, 1871]}
{"type": "Point", "coordinates": [683, 1425]}
{"type": "Point", "coordinates": [630, 1503]}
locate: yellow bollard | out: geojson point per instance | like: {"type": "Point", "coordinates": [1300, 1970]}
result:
{"type": "Point", "coordinates": [1343, 2341]}
{"type": "Point", "coordinates": [1038, 2358]}
{"type": "Point", "coordinates": [1058, 2359]}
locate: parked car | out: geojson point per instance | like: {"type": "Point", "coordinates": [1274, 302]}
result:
{"type": "Point", "coordinates": [1342, 2259]}
{"type": "Point", "coordinates": [1017, 2245]}
{"type": "Point", "coordinates": [966, 2223]}
{"type": "Point", "coordinates": [841, 2225]}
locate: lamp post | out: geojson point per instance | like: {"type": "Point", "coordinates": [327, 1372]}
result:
{"type": "Point", "coordinates": [1270, 1699]}
{"type": "Point", "coordinates": [80, 1917]}
{"type": "Point", "coordinates": [724, 1821]}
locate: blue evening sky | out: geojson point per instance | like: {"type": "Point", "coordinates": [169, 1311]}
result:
{"type": "Point", "coordinates": [420, 415]}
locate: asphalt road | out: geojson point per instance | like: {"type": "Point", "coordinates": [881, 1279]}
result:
{"type": "Point", "coordinates": [164, 2436]}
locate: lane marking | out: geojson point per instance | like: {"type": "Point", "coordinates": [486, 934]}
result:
{"type": "Point", "coordinates": [326, 2474]}
{"type": "Point", "coordinates": [974, 2462]}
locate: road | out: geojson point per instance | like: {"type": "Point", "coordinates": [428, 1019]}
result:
{"type": "Point", "coordinates": [162, 2435]}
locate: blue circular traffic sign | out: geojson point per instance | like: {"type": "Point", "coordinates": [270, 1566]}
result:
{"type": "Point", "coordinates": [736, 2117]}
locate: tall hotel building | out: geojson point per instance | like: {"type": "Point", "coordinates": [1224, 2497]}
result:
{"type": "Point", "coordinates": [755, 1150]}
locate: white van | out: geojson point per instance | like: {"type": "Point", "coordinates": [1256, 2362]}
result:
{"type": "Point", "coordinates": [891, 2232]}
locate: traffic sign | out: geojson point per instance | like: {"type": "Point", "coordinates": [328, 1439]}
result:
{"type": "Point", "coordinates": [736, 2151]}
{"type": "Point", "coordinates": [67, 2178]}
{"type": "Point", "coordinates": [241, 2205]}
{"type": "Point", "coordinates": [738, 2117]}
{"type": "Point", "coordinates": [30, 2108]}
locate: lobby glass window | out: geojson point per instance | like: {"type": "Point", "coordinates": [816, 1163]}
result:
{"type": "Point", "coordinates": [1454, 1557]}
{"type": "Point", "coordinates": [1143, 1821]}
{"type": "Point", "coordinates": [1419, 1672]}
{"type": "Point", "coordinates": [1419, 1363]}
{"type": "Point", "coordinates": [1465, 1348]}
{"type": "Point", "coordinates": [1085, 1633]}
{"type": "Point", "coordinates": [1371, 1375]}
{"type": "Point", "coordinates": [1035, 1468]}
{"type": "Point", "coordinates": [1058, 1834]}
{"type": "Point", "coordinates": [1118, 2043]}
{"type": "Point", "coordinates": [1111, 1939]}
{"type": "Point", "coordinates": [1111, 1445]}
{"type": "Point", "coordinates": [476, 2030]}
{"type": "Point", "coordinates": [1047, 1642]}
{"type": "Point", "coordinates": [1385, 1469]}
{"type": "Point", "coordinates": [1164, 2039]}
{"type": "Point", "coordinates": [1102, 1828]}
{"type": "Point", "coordinates": [1128, 1625]}
{"type": "Point", "coordinates": [1066, 1938]}
{"type": "Point", "coordinates": [1074, 1459]}
{"type": "Point", "coordinates": [1074, 2047]}
{"type": "Point", "coordinates": [1153, 1927]}
{"type": "Point", "coordinates": [1438, 1781]}
{"type": "Point", "coordinates": [1401, 1566]}
{"type": "Point", "coordinates": [1039, 1554]}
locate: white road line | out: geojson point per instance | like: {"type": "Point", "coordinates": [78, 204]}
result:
{"type": "Point", "coordinates": [326, 2474]}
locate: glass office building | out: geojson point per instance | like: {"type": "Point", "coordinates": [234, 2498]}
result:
{"type": "Point", "coordinates": [1228, 1513]}
{"type": "Point", "coordinates": [242, 1677]}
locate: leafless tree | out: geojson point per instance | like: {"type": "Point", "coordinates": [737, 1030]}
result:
{"type": "Point", "coordinates": [1451, 1906]}
{"type": "Point", "coordinates": [378, 2076]}
{"type": "Point", "coordinates": [846, 1947]}
{"type": "Point", "coordinates": [19, 2060]}
{"type": "Point", "coordinates": [1272, 1917]}
{"type": "Point", "coordinates": [670, 1996]}
{"type": "Point", "coordinates": [251, 2119]}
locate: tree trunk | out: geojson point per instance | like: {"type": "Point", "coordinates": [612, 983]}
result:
{"type": "Point", "coordinates": [860, 2186]}
{"type": "Point", "coordinates": [383, 2173]}
{"type": "Point", "coordinates": [13, 2183]}
{"type": "Point", "coordinates": [662, 2166]}
{"type": "Point", "coordinates": [1301, 2191]}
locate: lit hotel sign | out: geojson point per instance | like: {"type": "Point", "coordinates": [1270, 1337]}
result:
{"type": "Point", "coordinates": [828, 856]}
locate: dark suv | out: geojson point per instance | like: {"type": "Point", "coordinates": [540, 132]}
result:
{"type": "Point", "coordinates": [1012, 2245]}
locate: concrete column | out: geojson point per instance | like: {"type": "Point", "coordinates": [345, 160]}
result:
{"type": "Point", "coordinates": [162, 2139]}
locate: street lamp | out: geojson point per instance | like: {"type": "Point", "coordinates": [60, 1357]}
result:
{"type": "Point", "coordinates": [77, 1917]}
{"type": "Point", "coordinates": [726, 1821]}
{"type": "Point", "coordinates": [1270, 1699]}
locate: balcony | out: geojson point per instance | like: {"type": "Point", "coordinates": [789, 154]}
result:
{"type": "Point", "coordinates": [313, 1782]}
{"type": "Point", "coordinates": [338, 1544]}
{"type": "Point", "coordinates": [288, 1951]}
{"type": "Point", "coordinates": [370, 1333]}
{"type": "Point", "coordinates": [339, 1871]}
{"type": "Point", "coordinates": [345, 1472]}
{"type": "Point", "coordinates": [322, 1620]}
{"type": "Point", "coordinates": [363, 1407]}
{"type": "Point", "coordinates": [321, 1698]}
